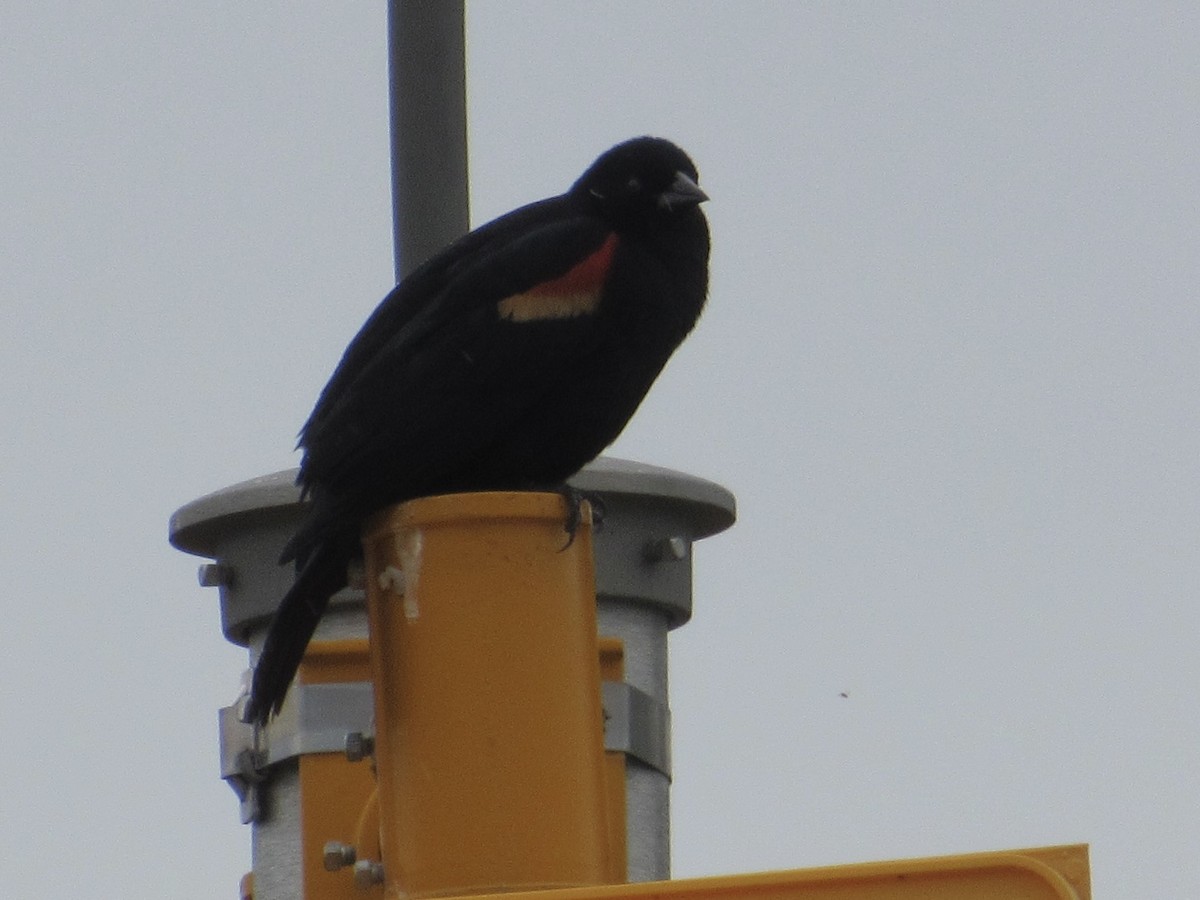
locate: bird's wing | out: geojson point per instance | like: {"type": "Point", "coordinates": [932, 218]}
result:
{"type": "Point", "coordinates": [454, 355]}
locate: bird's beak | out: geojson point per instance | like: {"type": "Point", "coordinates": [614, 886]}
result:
{"type": "Point", "coordinates": [682, 192]}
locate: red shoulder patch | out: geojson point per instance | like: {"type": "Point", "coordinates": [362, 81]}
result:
{"type": "Point", "coordinates": [574, 293]}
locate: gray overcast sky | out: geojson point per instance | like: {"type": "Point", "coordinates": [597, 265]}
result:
{"type": "Point", "coordinates": [949, 367]}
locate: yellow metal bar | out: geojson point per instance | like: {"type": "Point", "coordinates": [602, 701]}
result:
{"type": "Point", "coordinates": [1046, 873]}
{"type": "Point", "coordinates": [333, 791]}
{"type": "Point", "coordinates": [488, 722]}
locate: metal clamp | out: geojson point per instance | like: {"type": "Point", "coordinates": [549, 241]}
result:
{"type": "Point", "coordinates": [240, 760]}
{"type": "Point", "coordinates": [316, 718]}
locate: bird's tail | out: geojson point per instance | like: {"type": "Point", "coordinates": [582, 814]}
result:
{"type": "Point", "coordinates": [322, 575]}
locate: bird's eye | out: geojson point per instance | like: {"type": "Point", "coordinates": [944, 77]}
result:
{"type": "Point", "coordinates": [633, 185]}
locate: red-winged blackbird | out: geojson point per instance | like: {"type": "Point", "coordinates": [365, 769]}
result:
{"type": "Point", "coordinates": [506, 362]}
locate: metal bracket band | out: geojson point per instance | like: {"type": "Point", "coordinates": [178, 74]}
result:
{"type": "Point", "coordinates": [637, 724]}
{"type": "Point", "coordinates": [318, 718]}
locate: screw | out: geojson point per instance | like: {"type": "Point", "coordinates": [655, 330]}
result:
{"type": "Point", "coordinates": [359, 746]}
{"type": "Point", "coordinates": [214, 575]}
{"type": "Point", "coordinates": [367, 873]}
{"type": "Point", "coordinates": [674, 549]}
{"type": "Point", "coordinates": [338, 855]}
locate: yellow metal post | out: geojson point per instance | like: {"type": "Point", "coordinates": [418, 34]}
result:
{"type": "Point", "coordinates": [489, 731]}
{"type": "Point", "coordinates": [333, 790]}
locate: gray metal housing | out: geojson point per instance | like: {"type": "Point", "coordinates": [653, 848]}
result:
{"type": "Point", "coordinates": [651, 517]}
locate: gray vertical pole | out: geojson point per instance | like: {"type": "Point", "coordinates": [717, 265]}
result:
{"type": "Point", "coordinates": [427, 68]}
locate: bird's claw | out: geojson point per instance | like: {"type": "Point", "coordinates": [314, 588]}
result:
{"type": "Point", "coordinates": [574, 500]}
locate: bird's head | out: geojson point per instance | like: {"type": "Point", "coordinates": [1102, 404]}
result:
{"type": "Point", "coordinates": [645, 179]}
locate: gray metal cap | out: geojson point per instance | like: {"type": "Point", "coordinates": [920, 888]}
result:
{"type": "Point", "coordinates": [651, 516]}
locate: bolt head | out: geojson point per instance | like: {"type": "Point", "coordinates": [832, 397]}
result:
{"type": "Point", "coordinates": [359, 746]}
{"type": "Point", "coordinates": [338, 855]}
{"type": "Point", "coordinates": [669, 549]}
{"type": "Point", "coordinates": [368, 873]}
{"type": "Point", "coordinates": [213, 575]}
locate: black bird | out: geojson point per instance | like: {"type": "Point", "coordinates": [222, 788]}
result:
{"type": "Point", "coordinates": [506, 362]}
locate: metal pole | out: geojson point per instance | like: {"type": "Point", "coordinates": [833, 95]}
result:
{"type": "Point", "coordinates": [427, 70]}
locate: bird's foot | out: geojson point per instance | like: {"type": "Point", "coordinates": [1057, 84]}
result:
{"type": "Point", "coordinates": [575, 498]}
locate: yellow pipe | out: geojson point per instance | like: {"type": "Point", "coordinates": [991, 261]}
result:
{"type": "Point", "coordinates": [488, 721]}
